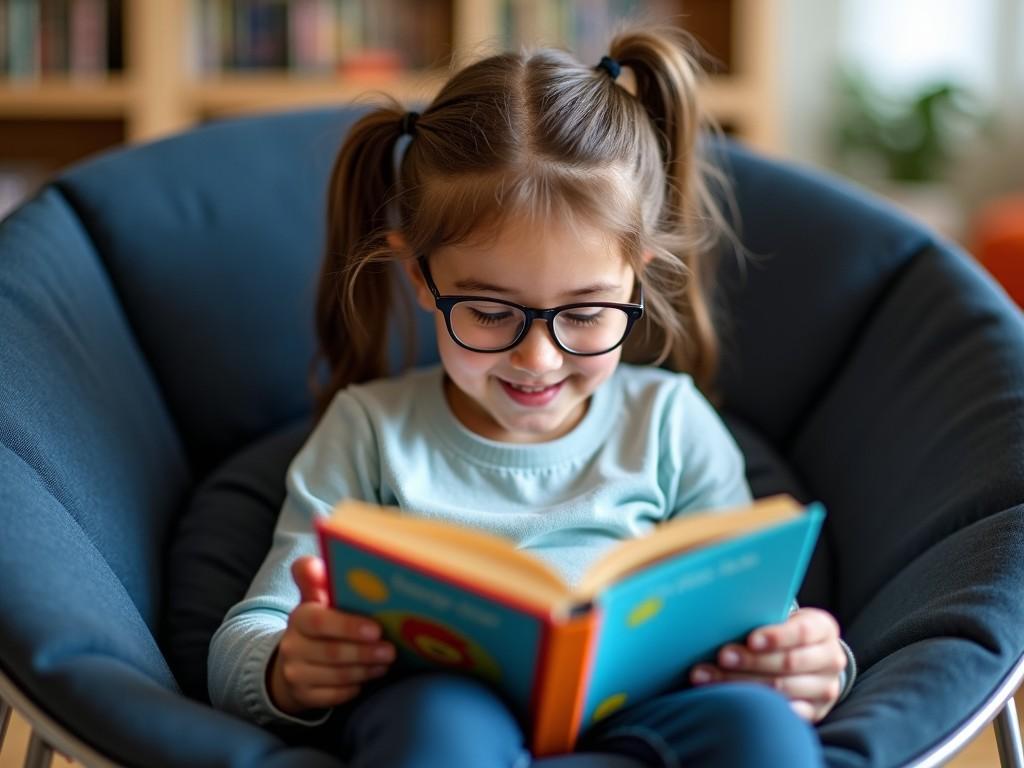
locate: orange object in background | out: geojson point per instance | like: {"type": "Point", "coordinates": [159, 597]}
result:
{"type": "Point", "coordinates": [997, 242]}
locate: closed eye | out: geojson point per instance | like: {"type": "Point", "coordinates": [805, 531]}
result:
{"type": "Point", "coordinates": [490, 318]}
{"type": "Point", "coordinates": [583, 319]}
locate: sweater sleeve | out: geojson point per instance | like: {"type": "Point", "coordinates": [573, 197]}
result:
{"type": "Point", "coordinates": [703, 467]}
{"type": "Point", "coordinates": [339, 460]}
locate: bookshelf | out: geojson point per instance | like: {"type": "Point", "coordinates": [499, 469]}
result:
{"type": "Point", "coordinates": [160, 80]}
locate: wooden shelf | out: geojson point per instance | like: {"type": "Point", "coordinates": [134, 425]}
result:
{"type": "Point", "coordinates": [728, 97]}
{"type": "Point", "coordinates": [64, 98]}
{"type": "Point", "coordinates": [258, 92]}
{"type": "Point", "coordinates": [160, 93]}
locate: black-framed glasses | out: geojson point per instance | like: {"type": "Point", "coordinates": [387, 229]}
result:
{"type": "Point", "coordinates": [485, 324]}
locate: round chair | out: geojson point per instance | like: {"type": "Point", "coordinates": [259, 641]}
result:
{"type": "Point", "coordinates": [156, 316]}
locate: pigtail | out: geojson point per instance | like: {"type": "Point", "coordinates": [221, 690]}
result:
{"type": "Point", "coordinates": [355, 289]}
{"type": "Point", "coordinates": [666, 81]}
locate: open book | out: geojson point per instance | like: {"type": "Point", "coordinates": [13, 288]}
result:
{"type": "Point", "coordinates": [564, 657]}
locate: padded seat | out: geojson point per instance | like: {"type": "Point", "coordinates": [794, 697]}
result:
{"type": "Point", "coordinates": [156, 316]}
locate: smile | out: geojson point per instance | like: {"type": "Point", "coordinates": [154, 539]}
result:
{"type": "Point", "coordinates": [523, 388]}
{"type": "Point", "coordinates": [533, 396]}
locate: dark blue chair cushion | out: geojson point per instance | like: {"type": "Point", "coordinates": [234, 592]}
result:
{"type": "Point", "coordinates": [951, 620]}
{"type": "Point", "coordinates": [914, 439]}
{"type": "Point", "coordinates": [212, 240]}
{"type": "Point", "coordinates": [219, 280]}
{"type": "Point", "coordinates": [92, 472]}
{"type": "Point", "coordinates": [219, 542]}
{"type": "Point", "coordinates": [820, 256]}
{"type": "Point", "coordinates": [80, 414]}
{"type": "Point", "coordinates": [159, 303]}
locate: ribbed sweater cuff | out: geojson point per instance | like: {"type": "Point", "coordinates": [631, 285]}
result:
{"type": "Point", "coordinates": [256, 698]}
{"type": "Point", "coordinates": [848, 675]}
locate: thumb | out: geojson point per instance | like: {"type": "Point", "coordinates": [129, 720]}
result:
{"type": "Point", "coordinates": [310, 577]}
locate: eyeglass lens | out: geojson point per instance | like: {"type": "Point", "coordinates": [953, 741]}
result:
{"type": "Point", "coordinates": [487, 325]}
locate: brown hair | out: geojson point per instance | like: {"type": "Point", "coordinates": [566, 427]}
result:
{"type": "Point", "coordinates": [534, 133]}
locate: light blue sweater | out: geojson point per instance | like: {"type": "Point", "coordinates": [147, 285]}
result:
{"type": "Point", "coordinates": [649, 447]}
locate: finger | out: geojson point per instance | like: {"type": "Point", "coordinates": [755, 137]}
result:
{"type": "Point", "coordinates": [296, 647]}
{"type": "Point", "coordinates": [299, 674]}
{"type": "Point", "coordinates": [805, 710]}
{"type": "Point", "coordinates": [804, 627]}
{"type": "Point", "coordinates": [318, 621]}
{"type": "Point", "coordinates": [310, 575]}
{"type": "Point", "coordinates": [827, 657]}
{"type": "Point", "coordinates": [326, 697]}
{"type": "Point", "coordinates": [820, 689]}
{"type": "Point", "coordinates": [817, 689]}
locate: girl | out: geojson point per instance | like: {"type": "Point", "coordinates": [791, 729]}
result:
{"type": "Point", "coordinates": [552, 219]}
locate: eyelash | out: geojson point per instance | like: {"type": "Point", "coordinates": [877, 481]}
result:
{"type": "Point", "coordinates": [584, 320]}
{"type": "Point", "coordinates": [487, 318]}
{"type": "Point", "coordinates": [493, 318]}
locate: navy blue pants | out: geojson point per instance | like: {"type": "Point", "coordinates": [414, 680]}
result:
{"type": "Point", "coordinates": [444, 721]}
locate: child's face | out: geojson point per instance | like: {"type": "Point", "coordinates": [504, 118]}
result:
{"type": "Point", "coordinates": [541, 267]}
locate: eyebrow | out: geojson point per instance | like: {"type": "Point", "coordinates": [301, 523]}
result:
{"type": "Point", "coordinates": [590, 290]}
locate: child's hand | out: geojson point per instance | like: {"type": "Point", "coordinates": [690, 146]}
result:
{"type": "Point", "coordinates": [324, 654]}
{"type": "Point", "coordinates": [801, 658]}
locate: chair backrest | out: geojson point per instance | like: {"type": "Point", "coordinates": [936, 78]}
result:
{"type": "Point", "coordinates": [881, 363]}
{"type": "Point", "coordinates": [212, 240]}
{"type": "Point", "coordinates": [91, 465]}
{"type": "Point", "coordinates": [821, 255]}
{"type": "Point", "coordinates": [155, 307]}
{"type": "Point", "coordinates": [167, 292]}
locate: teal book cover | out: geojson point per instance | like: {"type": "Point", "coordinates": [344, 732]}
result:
{"type": "Point", "coordinates": [436, 622]}
{"type": "Point", "coordinates": [657, 623]}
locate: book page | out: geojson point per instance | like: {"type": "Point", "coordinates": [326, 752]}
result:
{"type": "Point", "coordinates": [490, 562]}
{"type": "Point", "coordinates": [686, 532]}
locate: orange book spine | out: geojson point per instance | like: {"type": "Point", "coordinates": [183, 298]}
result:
{"type": "Point", "coordinates": [561, 684]}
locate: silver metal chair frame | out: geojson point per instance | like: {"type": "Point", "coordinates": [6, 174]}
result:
{"type": "Point", "coordinates": [48, 735]}
{"type": "Point", "coordinates": [999, 710]}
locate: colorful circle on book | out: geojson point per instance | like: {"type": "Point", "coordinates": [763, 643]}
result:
{"type": "Point", "coordinates": [367, 585]}
{"type": "Point", "coordinates": [648, 609]}
{"type": "Point", "coordinates": [438, 644]}
{"type": "Point", "coordinates": [609, 705]}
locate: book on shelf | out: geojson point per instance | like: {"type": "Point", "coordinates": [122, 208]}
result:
{"type": "Point", "coordinates": [562, 656]}
{"type": "Point", "coordinates": [346, 37]}
{"type": "Point", "coordinates": [581, 26]}
{"type": "Point", "coordinates": [73, 38]}
{"type": "Point", "coordinates": [585, 27]}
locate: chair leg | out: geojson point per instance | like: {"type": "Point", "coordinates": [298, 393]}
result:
{"type": "Point", "coordinates": [40, 754]}
{"type": "Point", "coordinates": [1011, 755]}
{"type": "Point", "coordinates": [5, 718]}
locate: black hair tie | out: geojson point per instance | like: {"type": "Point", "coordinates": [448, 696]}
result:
{"type": "Point", "coordinates": [611, 66]}
{"type": "Point", "coordinates": [409, 123]}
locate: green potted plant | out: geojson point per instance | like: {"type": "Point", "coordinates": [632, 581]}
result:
{"type": "Point", "coordinates": [904, 147]}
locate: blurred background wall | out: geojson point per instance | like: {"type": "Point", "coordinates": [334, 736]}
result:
{"type": "Point", "coordinates": [920, 99]}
